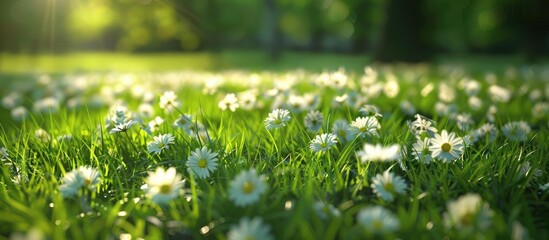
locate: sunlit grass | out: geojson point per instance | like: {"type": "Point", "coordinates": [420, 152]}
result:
{"type": "Point", "coordinates": [298, 178]}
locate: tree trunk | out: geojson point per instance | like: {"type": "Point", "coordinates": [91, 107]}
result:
{"type": "Point", "coordinates": [273, 32]}
{"type": "Point", "coordinates": [402, 33]}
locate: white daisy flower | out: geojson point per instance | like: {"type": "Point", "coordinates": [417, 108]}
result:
{"type": "Point", "coordinates": [323, 142]}
{"type": "Point", "coordinates": [3, 153]}
{"type": "Point", "coordinates": [162, 185]}
{"type": "Point", "coordinates": [184, 122]}
{"type": "Point", "coordinates": [422, 125]}
{"type": "Point", "coordinates": [250, 229]}
{"type": "Point", "coordinates": [313, 121]}
{"type": "Point", "coordinates": [365, 126]}
{"type": "Point", "coordinates": [229, 102]}
{"type": "Point", "coordinates": [464, 121]}
{"type": "Point", "coordinates": [544, 187]}
{"type": "Point", "coordinates": [370, 110]}
{"type": "Point", "coordinates": [42, 135]}
{"type": "Point", "coordinates": [378, 153]}
{"type": "Point", "coordinates": [343, 131]}
{"type": "Point", "coordinates": [446, 146]}
{"type": "Point", "coordinates": [420, 150]}
{"type": "Point", "coordinates": [248, 99]}
{"type": "Point", "coordinates": [73, 181]}
{"type": "Point", "coordinates": [325, 210]}
{"type": "Point", "coordinates": [386, 185]}
{"type": "Point", "coordinates": [499, 94]}
{"type": "Point", "coordinates": [146, 110]}
{"type": "Point", "coordinates": [246, 188]}
{"type": "Point", "coordinates": [168, 101]}
{"type": "Point", "coordinates": [378, 220]}
{"type": "Point", "coordinates": [277, 118]}
{"type": "Point", "coordinates": [122, 127]}
{"type": "Point", "coordinates": [407, 107]}
{"type": "Point", "coordinates": [160, 143]}
{"type": "Point", "coordinates": [19, 113]}
{"type": "Point", "coordinates": [202, 162]}
{"type": "Point", "coordinates": [155, 123]}
{"type": "Point", "coordinates": [516, 131]}
{"type": "Point", "coordinates": [467, 212]}
{"type": "Point", "coordinates": [488, 130]}
{"type": "Point", "coordinates": [91, 177]}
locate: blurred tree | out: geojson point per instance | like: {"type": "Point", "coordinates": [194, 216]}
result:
{"type": "Point", "coordinates": [403, 34]}
{"type": "Point", "coordinates": [273, 32]}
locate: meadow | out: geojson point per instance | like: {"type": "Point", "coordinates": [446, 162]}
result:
{"type": "Point", "coordinates": [353, 151]}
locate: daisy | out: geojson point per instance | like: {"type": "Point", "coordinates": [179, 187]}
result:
{"type": "Point", "coordinates": [544, 188]}
{"type": "Point", "coordinates": [168, 101]}
{"type": "Point", "coordinates": [76, 179]}
{"type": "Point", "coordinates": [248, 99]}
{"type": "Point", "coordinates": [365, 126]}
{"type": "Point", "coordinates": [488, 130]}
{"type": "Point", "coordinates": [407, 107]}
{"type": "Point", "coordinates": [184, 122]}
{"type": "Point", "coordinates": [46, 105]}
{"type": "Point", "coordinates": [387, 185]}
{"type": "Point", "coordinates": [162, 185]}
{"type": "Point", "coordinates": [247, 187]}
{"type": "Point", "coordinates": [250, 229]}
{"type": "Point", "coordinates": [91, 177]}
{"type": "Point", "coordinates": [72, 182]}
{"type": "Point", "coordinates": [325, 210]}
{"type": "Point", "coordinates": [19, 113]}
{"type": "Point", "coordinates": [378, 153]}
{"type": "Point", "coordinates": [420, 150]}
{"type": "Point", "coordinates": [342, 130]}
{"type": "Point", "coordinates": [377, 219]}
{"type": "Point", "coordinates": [3, 153]}
{"type": "Point", "coordinates": [499, 94]}
{"type": "Point", "coordinates": [155, 123]}
{"type": "Point", "coordinates": [122, 127]}
{"type": "Point", "coordinates": [370, 110]}
{"type": "Point", "coordinates": [323, 142]}
{"type": "Point", "coordinates": [422, 125]}
{"type": "Point", "coordinates": [313, 121]}
{"type": "Point", "coordinates": [474, 102]}
{"type": "Point", "coordinates": [229, 102]}
{"type": "Point", "coordinates": [464, 121]}
{"type": "Point", "coordinates": [467, 212]}
{"type": "Point", "coordinates": [516, 131]}
{"type": "Point", "coordinates": [160, 143]}
{"type": "Point", "coordinates": [446, 146]}
{"type": "Point", "coordinates": [277, 118]}
{"type": "Point", "coordinates": [202, 162]}
{"type": "Point", "coordinates": [42, 135]}
{"type": "Point", "coordinates": [146, 110]}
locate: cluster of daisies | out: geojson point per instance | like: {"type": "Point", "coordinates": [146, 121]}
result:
{"type": "Point", "coordinates": [353, 97]}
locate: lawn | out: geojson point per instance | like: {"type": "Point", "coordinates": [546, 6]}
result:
{"type": "Point", "coordinates": [233, 146]}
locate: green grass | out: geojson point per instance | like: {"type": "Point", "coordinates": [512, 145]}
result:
{"type": "Point", "coordinates": [297, 178]}
{"type": "Point", "coordinates": [202, 61]}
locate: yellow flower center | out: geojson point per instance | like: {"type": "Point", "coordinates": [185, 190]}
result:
{"type": "Point", "coordinates": [446, 147]}
{"type": "Point", "coordinates": [342, 133]}
{"type": "Point", "coordinates": [247, 187]}
{"type": "Point", "coordinates": [277, 121]}
{"type": "Point", "coordinates": [377, 224]}
{"type": "Point", "coordinates": [362, 129]}
{"type": "Point", "coordinates": [87, 181]}
{"type": "Point", "coordinates": [467, 219]}
{"type": "Point", "coordinates": [390, 187]}
{"type": "Point", "coordinates": [323, 145]}
{"type": "Point", "coordinates": [165, 189]}
{"type": "Point", "coordinates": [202, 163]}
